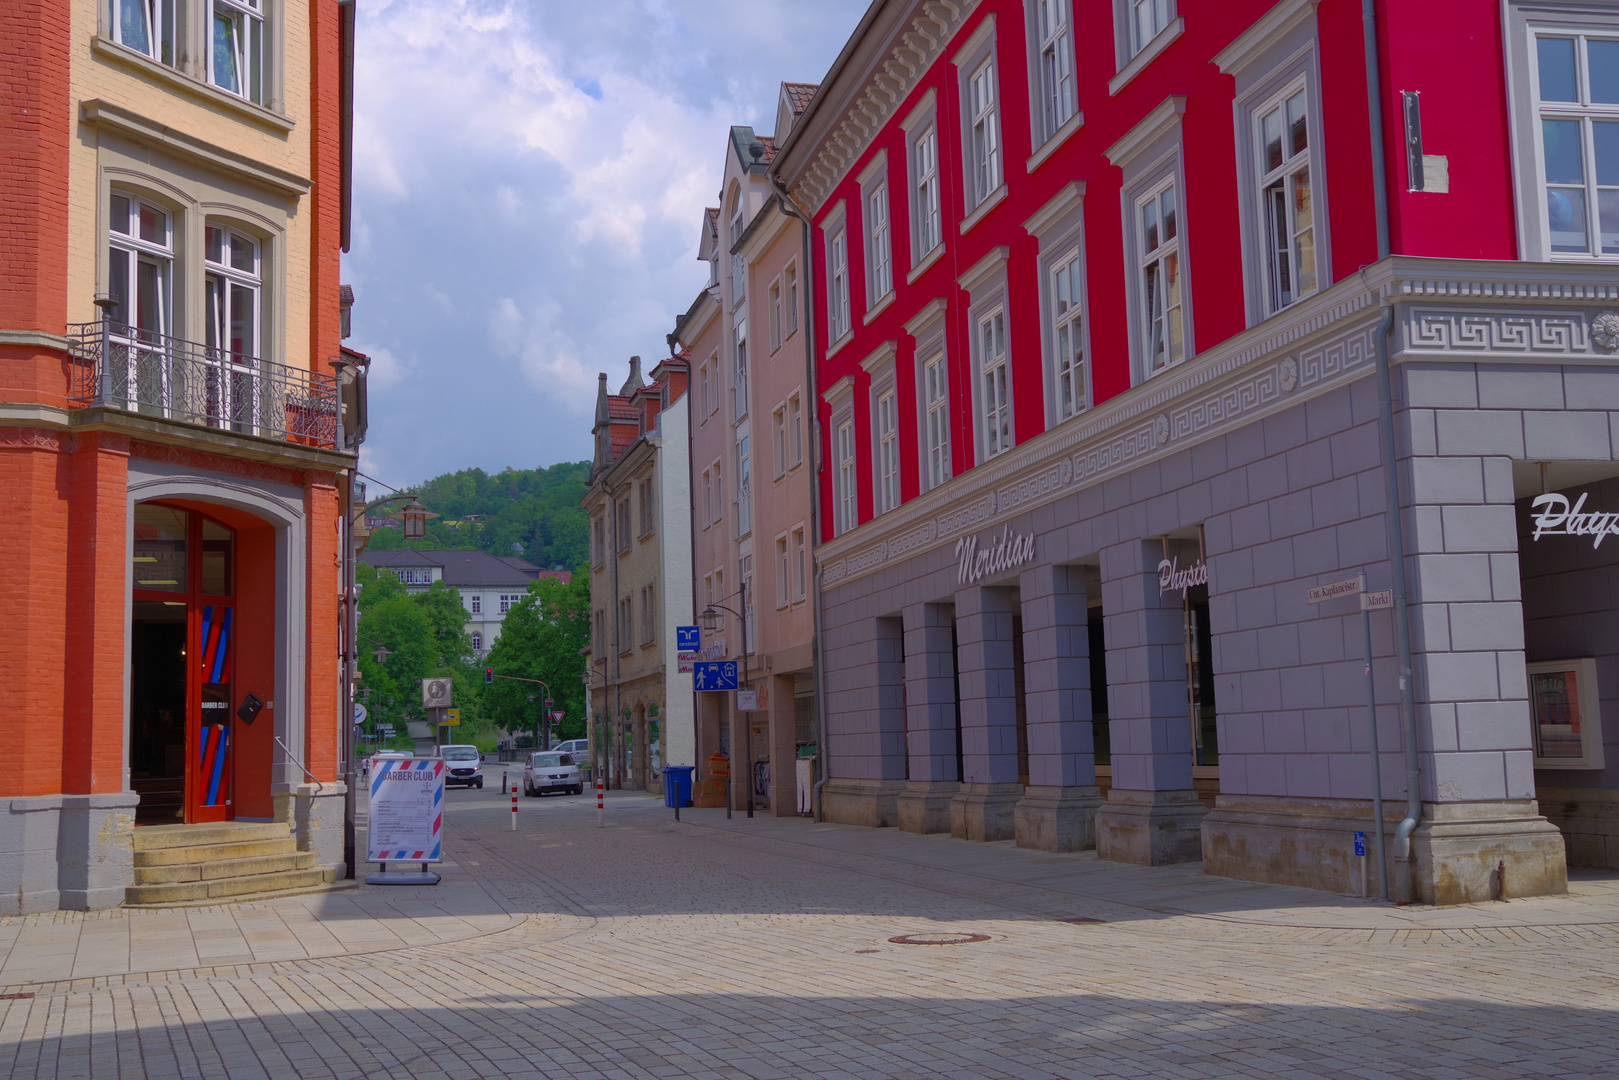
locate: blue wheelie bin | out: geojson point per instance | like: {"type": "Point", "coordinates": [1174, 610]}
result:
{"type": "Point", "coordinates": [677, 785]}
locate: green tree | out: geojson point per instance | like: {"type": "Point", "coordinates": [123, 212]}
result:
{"type": "Point", "coordinates": [425, 637]}
{"type": "Point", "coordinates": [540, 639]}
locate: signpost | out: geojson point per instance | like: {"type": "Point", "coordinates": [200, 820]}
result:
{"type": "Point", "coordinates": [406, 822]}
{"type": "Point", "coordinates": [1369, 602]}
{"type": "Point", "coordinates": [452, 717]}
{"type": "Point", "coordinates": [688, 638]}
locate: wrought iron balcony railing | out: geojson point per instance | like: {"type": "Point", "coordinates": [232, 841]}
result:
{"type": "Point", "coordinates": [121, 367]}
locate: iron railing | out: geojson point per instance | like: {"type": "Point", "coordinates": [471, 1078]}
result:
{"type": "Point", "coordinates": [121, 367]}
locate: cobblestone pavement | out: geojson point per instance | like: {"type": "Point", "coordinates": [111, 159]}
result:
{"type": "Point", "coordinates": [759, 949]}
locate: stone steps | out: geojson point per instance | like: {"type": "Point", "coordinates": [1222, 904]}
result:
{"type": "Point", "coordinates": [236, 860]}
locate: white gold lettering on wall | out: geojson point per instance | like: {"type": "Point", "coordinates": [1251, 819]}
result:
{"type": "Point", "coordinates": [1171, 578]}
{"type": "Point", "coordinates": [1008, 550]}
{"type": "Point", "coordinates": [1560, 519]}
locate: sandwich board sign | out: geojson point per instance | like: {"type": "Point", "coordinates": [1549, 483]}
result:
{"type": "Point", "coordinates": [407, 812]}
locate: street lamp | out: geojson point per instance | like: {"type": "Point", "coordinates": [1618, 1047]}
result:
{"type": "Point", "coordinates": [711, 621]}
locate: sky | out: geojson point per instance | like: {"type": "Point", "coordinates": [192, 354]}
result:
{"type": "Point", "coordinates": [529, 180]}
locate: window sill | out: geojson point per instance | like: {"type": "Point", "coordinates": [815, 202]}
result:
{"type": "Point", "coordinates": [878, 308]}
{"type": "Point", "coordinates": [789, 336]}
{"type": "Point", "coordinates": [1147, 55]}
{"type": "Point", "coordinates": [981, 211]}
{"type": "Point", "coordinates": [1051, 145]}
{"type": "Point", "coordinates": [179, 80]}
{"type": "Point", "coordinates": [833, 349]}
{"type": "Point", "coordinates": [924, 262]}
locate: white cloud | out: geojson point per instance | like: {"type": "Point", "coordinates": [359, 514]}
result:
{"type": "Point", "coordinates": [529, 181]}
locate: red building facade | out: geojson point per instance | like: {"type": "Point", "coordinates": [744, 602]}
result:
{"type": "Point", "coordinates": [1121, 276]}
{"type": "Point", "coordinates": [175, 445]}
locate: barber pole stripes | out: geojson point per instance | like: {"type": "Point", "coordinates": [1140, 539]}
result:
{"type": "Point", "coordinates": [215, 742]}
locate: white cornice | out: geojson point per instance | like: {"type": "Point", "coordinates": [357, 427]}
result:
{"type": "Point", "coordinates": [155, 133]}
{"type": "Point", "coordinates": [838, 391]}
{"type": "Point", "coordinates": [1154, 124]}
{"type": "Point", "coordinates": [882, 354]}
{"type": "Point", "coordinates": [1070, 197]}
{"type": "Point", "coordinates": [1317, 345]}
{"type": "Point", "coordinates": [1252, 43]}
{"type": "Point", "coordinates": [992, 261]}
{"type": "Point", "coordinates": [933, 309]}
{"type": "Point", "coordinates": [836, 142]}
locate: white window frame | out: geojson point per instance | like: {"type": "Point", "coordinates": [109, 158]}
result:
{"type": "Point", "coordinates": [1588, 703]}
{"type": "Point", "coordinates": [928, 328]}
{"type": "Point", "coordinates": [1150, 157]}
{"type": "Point", "coordinates": [875, 216]}
{"type": "Point", "coordinates": [243, 21]}
{"type": "Point", "coordinates": [790, 295]}
{"type": "Point", "coordinates": [1051, 67]}
{"type": "Point", "coordinates": [233, 395]}
{"type": "Point", "coordinates": [846, 476]}
{"type": "Point", "coordinates": [778, 440]}
{"type": "Point", "coordinates": [1069, 330]}
{"type": "Point", "coordinates": [800, 565]}
{"type": "Point", "coordinates": [927, 228]}
{"type": "Point", "coordinates": [886, 423]}
{"type": "Point", "coordinates": [783, 573]}
{"type": "Point", "coordinates": [739, 371]}
{"type": "Point", "coordinates": [992, 358]}
{"type": "Point", "coordinates": [775, 315]}
{"type": "Point", "coordinates": [981, 143]}
{"type": "Point", "coordinates": [1144, 21]}
{"type": "Point", "coordinates": [838, 318]}
{"type": "Point", "coordinates": [1291, 265]}
{"type": "Point", "coordinates": [157, 19]}
{"type": "Point", "coordinates": [477, 643]}
{"type": "Point", "coordinates": [1158, 213]}
{"type": "Point", "coordinates": [795, 416]}
{"type": "Point", "coordinates": [1581, 23]}
{"type": "Point", "coordinates": [476, 601]}
{"type": "Point", "coordinates": [744, 485]}
{"type": "Point", "coordinates": [157, 256]}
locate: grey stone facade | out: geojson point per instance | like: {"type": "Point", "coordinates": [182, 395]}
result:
{"type": "Point", "coordinates": [1268, 446]}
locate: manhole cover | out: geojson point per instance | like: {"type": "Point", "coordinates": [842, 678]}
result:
{"type": "Point", "coordinates": [1084, 921]}
{"type": "Point", "coordinates": [938, 939]}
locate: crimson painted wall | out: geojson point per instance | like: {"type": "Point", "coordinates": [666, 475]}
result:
{"type": "Point", "coordinates": [1448, 49]}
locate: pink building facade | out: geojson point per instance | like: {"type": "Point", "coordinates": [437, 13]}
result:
{"type": "Point", "coordinates": [1140, 323]}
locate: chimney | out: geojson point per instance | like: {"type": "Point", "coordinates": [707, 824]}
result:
{"type": "Point", "coordinates": [634, 382]}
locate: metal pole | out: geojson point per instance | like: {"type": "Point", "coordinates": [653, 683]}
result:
{"type": "Point", "coordinates": [747, 721]}
{"type": "Point", "coordinates": [1377, 760]}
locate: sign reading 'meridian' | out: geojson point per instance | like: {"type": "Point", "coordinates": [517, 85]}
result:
{"type": "Point", "coordinates": [1007, 550]}
{"type": "Point", "coordinates": [1560, 519]}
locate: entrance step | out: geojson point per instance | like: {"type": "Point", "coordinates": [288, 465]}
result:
{"type": "Point", "coordinates": [178, 863]}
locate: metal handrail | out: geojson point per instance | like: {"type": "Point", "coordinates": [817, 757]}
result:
{"type": "Point", "coordinates": [124, 367]}
{"type": "Point", "coordinates": [319, 787]}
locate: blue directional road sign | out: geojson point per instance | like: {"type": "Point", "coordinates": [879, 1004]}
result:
{"type": "Point", "coordinates": [688, 638]}
{"type": "Point", "coordinates": [714, 675]}
{"type": "Point", "coordinates": [1360, 843]}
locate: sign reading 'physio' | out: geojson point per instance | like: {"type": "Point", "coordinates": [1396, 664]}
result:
{"type": "Point", "coordinates": [1558, 518]}
{"type": "Point", "coordinates": [1171, 578]}
{"type": "Point", "coordinates": [1006, 551]}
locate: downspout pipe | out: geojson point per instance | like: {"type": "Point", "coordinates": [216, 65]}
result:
{"type": "Point", "coordinates": [1403, 893]}
{"type": "Point", "coordinates": [1403, 878]}
{"type": "Point", "coordinates": [789, 206]}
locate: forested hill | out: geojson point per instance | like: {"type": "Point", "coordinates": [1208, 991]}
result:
{"type": "Point", "coordinates": [535, 509]}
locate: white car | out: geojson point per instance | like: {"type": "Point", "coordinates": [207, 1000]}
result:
{"type": "Point", "coordinates": [579, 748]}
{"type": "Point", "coordinates": [551, 770]}
{"type": "Point", "coordinates": [462, 765]}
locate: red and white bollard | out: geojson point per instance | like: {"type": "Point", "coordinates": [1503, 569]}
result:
{"type": "Point", "coordinates": [514, 808]}
{"type": "Point", "coordinates": [600, 821]}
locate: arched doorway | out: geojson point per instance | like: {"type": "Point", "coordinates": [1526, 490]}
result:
{"type": "Point", "coordinates": [200, 665]}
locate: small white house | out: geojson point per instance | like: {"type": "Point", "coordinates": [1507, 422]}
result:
{"type": "Point", "coordinates": [489, 584]}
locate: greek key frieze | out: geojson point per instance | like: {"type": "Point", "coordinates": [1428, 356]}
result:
{"type": "Point", "coordinates": [1523, 332]}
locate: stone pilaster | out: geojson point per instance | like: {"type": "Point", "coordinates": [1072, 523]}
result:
{"type": "Point", "coordinates": [984, 808]}
{"type": "Point", "coordinates": [1057, 812]}
{"type": "Point", "coordinates": [930, 718]}
{"type": "Point", "coordinates": [1152, 815]}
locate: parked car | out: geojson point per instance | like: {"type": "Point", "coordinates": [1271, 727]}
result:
{"type": "Point", "coordinates": [579, 748]}
{"type": "Point", "coordinates": [463, 765]}
{"type": "Point", "coordinates": [551, 770]}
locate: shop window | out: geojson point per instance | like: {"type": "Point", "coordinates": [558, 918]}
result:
{"type": "Point", "coordinates": [1566, 715]}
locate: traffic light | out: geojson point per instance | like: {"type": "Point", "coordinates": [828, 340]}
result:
{"type": "Point", "coordinates": [488, 676]}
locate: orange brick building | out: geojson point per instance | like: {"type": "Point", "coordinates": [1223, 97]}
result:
{"type": "Point", "coordinates": [175, 455]}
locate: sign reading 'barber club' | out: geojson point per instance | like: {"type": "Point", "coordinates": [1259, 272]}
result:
{"type": "Point", "coordinates": [1555, 517]}
{"type": "Point", "coordinates": [1003, 553]}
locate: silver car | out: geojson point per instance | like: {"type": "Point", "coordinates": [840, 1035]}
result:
{"type": "Point", "coordinates": [551, 770]}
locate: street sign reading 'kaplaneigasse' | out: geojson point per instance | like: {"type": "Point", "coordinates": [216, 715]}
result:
{"type": "Point", "coordinates": [1334, 589]}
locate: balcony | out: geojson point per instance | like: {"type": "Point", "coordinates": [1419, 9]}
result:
{"type": "Point", "coordinates": [137, 371]}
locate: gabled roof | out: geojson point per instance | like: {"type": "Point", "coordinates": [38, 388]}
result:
{"type": "Point", "coordinates": [472, 567]}
{"type": "Point", "coordinates": [799, 94]}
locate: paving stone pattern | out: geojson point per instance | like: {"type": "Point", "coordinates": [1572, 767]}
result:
{"type": "Point", "coordinates": [751, 950]}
